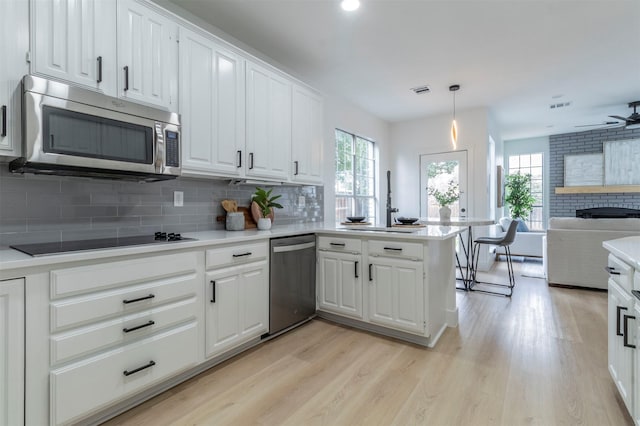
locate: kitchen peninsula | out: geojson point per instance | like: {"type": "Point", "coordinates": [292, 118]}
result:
{"type": "Point", "coordinates": [141, 319]}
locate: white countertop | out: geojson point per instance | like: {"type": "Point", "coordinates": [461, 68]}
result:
{"type": "Point", "coordinates": [627, 249]}
{"type": "Point", "coordinates": [13, 259]}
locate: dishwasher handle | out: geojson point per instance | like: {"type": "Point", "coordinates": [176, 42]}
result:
{"type": "Point", "coordinates": [295, 247]}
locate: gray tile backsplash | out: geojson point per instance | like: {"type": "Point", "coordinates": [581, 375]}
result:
{"type": "Point", "coordinates": [50, 208]}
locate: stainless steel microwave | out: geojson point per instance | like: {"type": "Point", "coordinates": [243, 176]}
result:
{"type": "Point", "coordinates": [71, 131]}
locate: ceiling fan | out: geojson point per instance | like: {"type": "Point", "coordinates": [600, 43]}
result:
{"type": "Point", "coordinates": [630, 122]}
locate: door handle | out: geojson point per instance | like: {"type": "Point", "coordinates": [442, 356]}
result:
{"type": "Point", "coordinates": [295, 163]}
{"type": "Point", "coordinates": [99, 79]}
{"type": "Point", "coordinates": [139, 299]}
{"type": "Point", "coordinates": [126, 78]}
{"type": "Point", "coordinates": [625, 327]}
{"type": "Point", "coordinates": [356, 269]}
{"type": "Point", "coordinates": [213, 292]}
{"type": "Point", "coordinates": [618, 309]}
{"type": "Point", "coordinates": [370, 272]}
{"type": "Point", "coordinates": [138, 327]}
{"type": "Point", "coordinates": [242, 254]}
{"type": "Point", "coordinates": [4, 121]}
{"type": "Point", "coordinates": [134, 371]}
{"type": "Point", "coordinates": [250, 160]}
{"type": "Point", "coordinates": [611, 270]}
{"type": "Point", "coordinates": [239, 159]}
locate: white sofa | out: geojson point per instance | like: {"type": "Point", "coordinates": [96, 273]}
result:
{"type": "Point", "coordinates": [526, 243]}
{"type": "Point", "coordinates": [575, 256]}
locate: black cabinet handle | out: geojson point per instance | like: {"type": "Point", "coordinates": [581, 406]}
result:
{"type": "Point", "coordinates": [242, 254]}
{"type": "Point", "coordinates": [625, 326]}
{"type": "Point", "coordinates": [239, 159]}
{"type": "Point", "coordinates": [126, 78]}
{"type": "Point", "coordinates": [128, 330]}
{"type": "Point", "coordinates": [250, 160]}
{"type": "Point", "coordinates": [295, 163]}
{"type": "Point", "coordinates": [337, 244]}
{"type": "Point", "coordinates": [213, 292]}
{"type": "Point", "coordinates": [144, 367]}
{"type": "Point", "coordinates": [356, 269]}
{"type": "Point", "coordinates": [4, 121]}
{"type": "Point", "coordinates": [370, 272]}
{"type": "Point", "coordinates": [139, 299]}
{"type": "Point", "coordinates": [618, 309]}
{"type": "Point", "coordinates": [611, 270]}
{"type": "Point", "coordinates": [393, 249]}
{"type": "Point", "coordinates": [99, 80]}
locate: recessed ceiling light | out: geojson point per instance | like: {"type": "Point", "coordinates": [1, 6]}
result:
{"type": "Point", "coordinates": [350, 5]}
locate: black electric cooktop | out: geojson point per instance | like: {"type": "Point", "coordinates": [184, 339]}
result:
{"type": "Point", "coordinates": [44, 249]}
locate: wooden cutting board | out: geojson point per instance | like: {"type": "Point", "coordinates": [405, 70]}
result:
{"type": "Point", "coordinates": [248, 220]}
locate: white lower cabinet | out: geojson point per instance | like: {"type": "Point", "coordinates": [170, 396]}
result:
{"type": "Point", "coordinates": [12, 352]}
{"type": "Point", "coordinates": [396, 294]}
{"type": "Point", "coordinates": [237, 306]}
{"type": "Point", "coordinates": [620, 351]}
{"type": "Point", "coordinates": [340, 283]}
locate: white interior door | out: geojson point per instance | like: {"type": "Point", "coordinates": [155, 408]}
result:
{"type": "Point", "coordinates": [438, 170]}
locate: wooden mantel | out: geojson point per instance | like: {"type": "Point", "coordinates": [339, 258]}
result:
{"type": "Point", "coordinates": [596, 189]}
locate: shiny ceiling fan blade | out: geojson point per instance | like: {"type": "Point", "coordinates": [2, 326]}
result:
{"type": "Point", "coordinates": [618, 117]}
{"type": "Point", "coordinates": [606, 123]}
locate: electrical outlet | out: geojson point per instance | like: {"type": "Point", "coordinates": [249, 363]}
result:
{"type": "Point", "coordinates": [301, 201]}
{"type": "Point", "coordinates": [178, 198]}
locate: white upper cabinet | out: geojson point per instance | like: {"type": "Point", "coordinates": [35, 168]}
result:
{"type": "Point", "coordinates": [268, 126]}
{"type": "Point", "coordinates": [211, 107]}
{"type": "Point", "coordinates": [74, 40]}
{"type": "Point", "coordinates": [14, 45]}
{"type": "Point", "coordinates": [147, 55]}
{"type": "Point", "coordinates": [307, 137]}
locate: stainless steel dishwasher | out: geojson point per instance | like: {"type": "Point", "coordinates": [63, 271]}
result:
{"type": "Point", "coordinates": [292, 282]}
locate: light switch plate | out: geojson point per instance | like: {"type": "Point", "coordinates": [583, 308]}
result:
{"type": "Point", "coordinates": [178, 198]}
{"type": "Point", "coordinates": [301, 201]}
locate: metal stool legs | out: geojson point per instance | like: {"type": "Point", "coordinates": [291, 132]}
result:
{"type": "Point", "coordinates": [512, 278]}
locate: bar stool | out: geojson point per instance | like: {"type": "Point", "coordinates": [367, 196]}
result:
{"type": "Point", "coordinates": [504, 241]}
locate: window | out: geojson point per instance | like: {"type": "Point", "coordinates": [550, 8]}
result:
{"type": "Point", "coordinates": [531, 164]}
{"type": "Point", "coordinates": [355, 177]}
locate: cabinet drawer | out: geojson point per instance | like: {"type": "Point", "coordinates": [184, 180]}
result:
{"type": "Point", "coordinates": [235, 255]}
{"type": "Point", "coordinates": [620, 272]}
{"type": "Point", "coordinates": [84, 341]}
{"type": "Point", "coordinates": [107, 304]}
{"type": "Point", "coordinates": [90, 385]}
{"type": "Point", "coordinates": [393, 248]}
{"type": "Point", "coordinates": [85, 279]}
{"type": "Point", "coordinates": [353, 245]}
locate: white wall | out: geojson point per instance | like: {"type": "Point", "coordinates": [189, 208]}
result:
{"type": "Point", "coordinates": [431, 135]}
{"type": "Point", "coordinates": [340, 114]}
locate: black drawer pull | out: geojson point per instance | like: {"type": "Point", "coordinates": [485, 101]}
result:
{"type": "Point", "coordinates": [250, 160]}
{"type": "Point", "coordinates": [99, 79]}
{"type": "Point", "coordinates": [139, 299]}
{"type": "Point", "coordinates": [611, 270]}
{"type": "Point", "coordinates": [144, 367]}
{"type": "Point", "coordinates": [239, 159]}
{"type": "Point", "coordinates": [337, 244]}
{"type": "Point", "coordinates": [625, 326]}
{"type": "Point", "coordinates": [356, 269]}
{"type": "Point", "coordinates": [4, 121]}
{"type": "Point", "coordinates": [296, 164]}
{"type": "Point", "coordinates": [370, 272]}
{"type": "Point", "coordinates": [213, 292]}
{"type": "Point", "coordinates": [128, 330]}
{"type": "Point", "coordinates": [393, 248]}
{"type": "Point", "coordinates": [243, 254]}
{"type": "Point", "coordinates": [126, 78]}
{"type": "Point", "coordinates": [618, 309]}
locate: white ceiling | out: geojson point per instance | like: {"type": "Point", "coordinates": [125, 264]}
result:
{"type": "Point", "coordinates": [513, 56]}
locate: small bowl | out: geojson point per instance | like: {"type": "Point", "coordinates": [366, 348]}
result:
{"type": "Point", "coordinates": [355, 219]}
{"type": "Point", "coordinates": [407, 220]}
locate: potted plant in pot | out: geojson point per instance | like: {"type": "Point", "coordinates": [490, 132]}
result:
{"type": "Point", "coordinates": [518, 196]}
{"type": "Point", "coordinates": [265, 203]}
{"type": "Point", "coordinates": [445, 198]}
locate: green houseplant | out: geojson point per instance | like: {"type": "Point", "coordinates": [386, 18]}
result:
{"type": "Point", "coordinates": [445, 198]}
{"type": "Point", "coordinates": [265, 202]}
{"type": "Point", "coordinates": [518, 195]}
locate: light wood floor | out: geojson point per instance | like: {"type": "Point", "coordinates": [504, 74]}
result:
{"type": "Point", "coordinates": [539, 358]}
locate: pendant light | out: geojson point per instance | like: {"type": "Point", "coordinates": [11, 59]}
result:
{"type": "Point", "coordinates": [454, 126]}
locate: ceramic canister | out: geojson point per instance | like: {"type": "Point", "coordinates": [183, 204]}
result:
{"type": "Point", "coordinates": [235, 221]}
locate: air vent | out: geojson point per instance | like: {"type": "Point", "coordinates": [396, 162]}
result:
{"type": "Point", "coordinates": [421, 89]}
{"type": "Point", "coordinates": [559, 105]}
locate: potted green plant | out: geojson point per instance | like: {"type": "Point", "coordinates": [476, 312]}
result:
{"type": "Point", "coordinates": [265, 203]}
{"type": "Point", "coordinates": [518, 195]}
{"type": "Point", "coordinates": [445, 198]}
